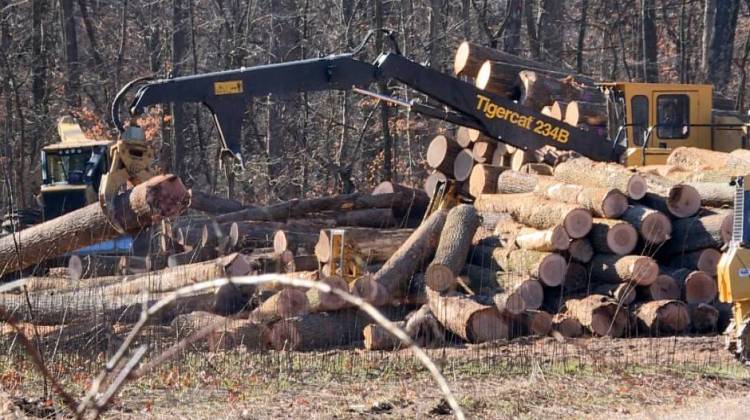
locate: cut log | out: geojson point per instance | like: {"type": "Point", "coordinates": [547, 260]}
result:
{"type": "Point", "coordinates": [530, 322]}
{"type": "Point", "coordinates": [424, 328]}
{"type": "Point", "coordinates": [557, 110]}
{"type": "Point", "coordinates": [609, 236]}
{"type": "Point", "coordinates": [213, 204]}
{"type": "Point", "coordinates": [664, 287]}
{"type": "Point", "coordinates": [714, 194]}
{"type": "Point", "coordinates": [568, 326]}
{"type": "Point", "coordinates": [576, 278]}
{"type": "Point", "coordinates": [599, 314]}
{"type": "Point", "coordinates": [663, 317]}
{"type": "Point", "coordinates": [463, 165]}
{"type": "Point", "coordinates": [160, 197]}
{"type": "Point", "coordinates": [537, 169]}
{"type": "Point", "coordinates": [322, 302]}
{"type": "Point", "coordinates": [303, 208]}
{"type": "Point", "coordinates": [704, 318]}
{"type": "Point", "coordinates": [694, 233]}
{"type": "Point", "coordinates": [418, 200]}
{"type": "Point", "coordinates": [133, 264]}
{"type": "Point", "coordinates": [498, 79]}
{"type": "Point", "coordinates": [705, 260]}
{"type": "Point", "coordinates": [540, 88]}
{"type": "Point", "coordinates": [483, 179]}
{"type": "Point", "coordinates": [622, 293]}
{"type": "Point", "coordinates": [607, 268]}
{"type": "Point", "coordinates": [549, 240]}
{"type": "Point", "coordinates": [230, 333]}
{"type": "Point", "coordinates": [441, 153]}
{"type": "Point", "coordinates": [453, 248]}
{"type": "Point", "coordinates": [285, 240]}
{"type": "Point", "coordinates": [501, 155]}
{"type": "Point", "coordinates": [326, 330]}
{"type": "Point", "coordinates": [372, 245]}
{"type": "Point", "coordinates": [591, 113]}
{"type": "Point", "coordinates": [286, 303]}
{"type": "Point", "coordinates": [548, 267]}
{"type": "Point", "coordinates": [528, 288]}
{"type": "Point", "coordinates": [697, 286]}
{"type": "Point", "coordinates": [537, 212]}
{"type": "Point", "coordinates": [581, 250]}
{"type": "Point", "coordinates": [193, 256]}
{"type": "Point", "coordinates": [432, 181]}
{"type": "Point", "coordinates": [521, 157]}
{"type": "Point", "coordinates": [604, 175]}
{"type": "Point", "coordinates": [467, 318]}
{"type": "Point", "coordinates": [464, 137]}
{"type": "Point", "coordinates": [411, 256]}
{"type": "Point", "coordinates": [679, 200]}
{"type": "Point", "coordinates": [378, 338]}
{"type": "Point", "coordinates": [484, 150]}
{"type": "Point", "coordinates": [88, 266]}
{"type": "Point", "coordinates": [483, 280]}
{"type": "Point", "coordinates": [602, 202]}
{"type": "Point", "coordinates": [510, 303]}
{"type": "Point", "coordinates": [513, 182]}
{"type": "Point", "coordinates": [694, 159]}
{"type": "Point", "coordinates": [654, 226]}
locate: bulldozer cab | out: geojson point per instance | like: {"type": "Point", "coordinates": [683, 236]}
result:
{"type": "Point", "coordinates": [651, 119]}
{"type": "Point", "coordinates": [71, 170]}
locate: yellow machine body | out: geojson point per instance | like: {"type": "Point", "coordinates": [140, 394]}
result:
{"type": "Point", "coordinates": [660, 117]}
{"type": "Point", "coordinates": [734, 281]}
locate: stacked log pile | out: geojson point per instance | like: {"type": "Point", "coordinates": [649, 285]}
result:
{"type": "Point", "coordinates": [526, 242]}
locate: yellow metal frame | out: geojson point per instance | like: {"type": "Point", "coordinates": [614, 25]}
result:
{"type": "Point", "coordinates": [733, 275]}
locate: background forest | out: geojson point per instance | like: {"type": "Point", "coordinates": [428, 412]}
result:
{"type": "Point", "coordinates": [70, 57]}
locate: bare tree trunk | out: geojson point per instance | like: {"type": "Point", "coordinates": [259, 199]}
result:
{"type": "Point", "coordinates": [511, 37]}
{"type": "Point", "coordinates": [709, 17]}
{"type": "Point", "coordinates": [551, 30]}
{"type": "Point", "coordinates": [179, 56]}
{"type": "Point", "coordinates": [722, 44]}
{"type": "Point", "coordinates": [650, 47]}
{"type": "Point", "coordinates": [387, 170]}
{"type": "Point", "coordinates": [582, 35]}
{"type": "Point", "coordinates": [72, 76]}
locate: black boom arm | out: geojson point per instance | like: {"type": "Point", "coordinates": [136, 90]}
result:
{"type": "Point", "coordinates": [227, 93]}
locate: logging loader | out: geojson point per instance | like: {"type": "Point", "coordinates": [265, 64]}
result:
{"type": "Point", "coordinates": [733, 273]}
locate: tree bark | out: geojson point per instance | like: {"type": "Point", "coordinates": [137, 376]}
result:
{"type": "Point", "coordinates": [453, 248]}
{"type": "Point", "coordinates": [694, 233]}
{"type": "Point", "coordinates": [663, 317]}
{"type": "Point", "coordinates": [705, 260]}
{"type": "Point", "coordinates": [589, 113]}
{"type": "Point", "coordinates": [622, 293]}
{"type": "Point", "coordinates": [213, 204]}
{"type": "Point", "coordinates": [483, 179]}
{"type": "Point", "coordinates": [230, 334]}
{"type": "Point", "coordinates": [654, 226]}
{"type": "Point", "coordinates": [613, 237]}
{"type": "Point", "coordinates": [664, 287]}
{"type": "Point", "coordinates": [411, 256]}
{"type": "Point", "coordinates": [467, 318]}
{"type": "Point", "coordinates": [601, 202]}
{"type": "Point", "coordinates": [72, 71]}
{"type": "Point", "coordinates": [581, 250]}
{"type": "Point", "coordinates": [604, 175]}
{"type": "Point", "coordinates": [373, 245]}
{"type": "Point", "coordinates": [600, 315]}
{"type": "Point", "coordinates": [160, 197]}
{"type": "Point", "coordinates": [649, 39]}
{"type": "Point", "coordinates": [548, 240]}
{"type": "Point", "coordinates": [536, 212]}
{"type": "Point", "coordinates": [548, 267]}
{"type": "Point", "coordinates": [721, 51]}
{"type": "Point", "coordinates": [568, 326]}
{"type": "Point", "coordinates": [286, 303]}
{"type": "Point", "coordinates": [697, 286]}
{"type": "Point", "coordinates": [641, 270]}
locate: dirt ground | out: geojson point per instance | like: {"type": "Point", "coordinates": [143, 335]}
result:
{"type": "Point", "coordinates": [685, 377]}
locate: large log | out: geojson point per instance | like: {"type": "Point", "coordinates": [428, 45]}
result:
{"type": "Point", "coordinates": [453, 248]}
{"type": "Point", "coordinates": [373, 245]}
{"type": "Point", "coordinates": [286, 240]}
{"type": "Point", "coordinates": [482, 280]}
{"type": "Point", "coordinates": [537, 212]}
{"type": "Point", "coordinates": [693, 158]}
{"type": "Point", "coordinates": [483, 179]}
{"type": "Point", "coordinates": [411, 256]}
{"type": "Point", "coordinates": [622, 293]}
{"type": "Point", "coordinates": [600, 174]}
{"type": "Point", "coordinates": [548, 267]}
{"type": "Point", "coordinates": [609, 236]}
{"type": "Point", "coordinates": [568, 326]}
{"type": "Point", "coordinates": [654, 226]}
{"type": "Point", "coordinates": [229, 334]}
{"type": "Point", "coordinates": [663, 317]}
{"type": "Point", "coordinates": [441, 153]}
{"type": "Point", "coordinates": [600, 315]}
{"type": "Point", "coordinates": [521, 157]}
{"type": "Point", "coordinates": [705, 260]}
{"type": "Point", "coordinates": [484, 151]}
{"type": "Point", "coordinates": [464, 137]}
{"type": "Point", "coordinates": [467, 318]}
{"type": "Point", "coordinates": [538, 90]}
{"type": "Point", "coordinates": [548, 240]}
{"type": "Point", "coordinates": [88, 266]}
{"type": "Point", "coordinates": [418, 200]}
{"type": "Point", "coordinates": [704, 318]}
{"type": "Point", "coordinates": [591, 113]}
{"type": "Point", "coordinates": [602, 202]}
{"type": "Point", "coordinates": [697, 286]}
{"type": "Point", "coordinates": [463, 165]}
{"type": "Point", "coordinates": [213, 204]}
{"type": "Point", "coordinates": [321, 301]}
{"type": "Point", "coordinates": [160, 197]}
{"type": "Point", "coordinates": [305, 207]}
{"type": "Point", "coordinates": [607, 268]}
{"type": "Point", "coordinates": [530, 322]}
{"type": "Point", "coordinates": [513, 182]}
{"type": "Point", "coordinates": [326, 330]}
{"type": "Point", "coordinates": [432, 181]}
{"type": "Point", "coordinates": [664, 287]}
{"type": "Point", "coordinates": [286, 303]}
{"type": "Point", "coordinates": [581, 250]}
{"type": "Point", "coordinates": [498, 79]}
{"type": "Point", "coordinates": [694, 233]}
{"type": "Point", "coordinates": [519, 293]}
{"type": "Point", "coordinates": [679, 200]}
{"type": "Point", "coordinates": [714, 194]}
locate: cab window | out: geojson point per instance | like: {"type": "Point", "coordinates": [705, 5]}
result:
{"type": "Point", "coordinates": [639, 107]}
{"type": "Point", "coordinates": [673, 116]}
